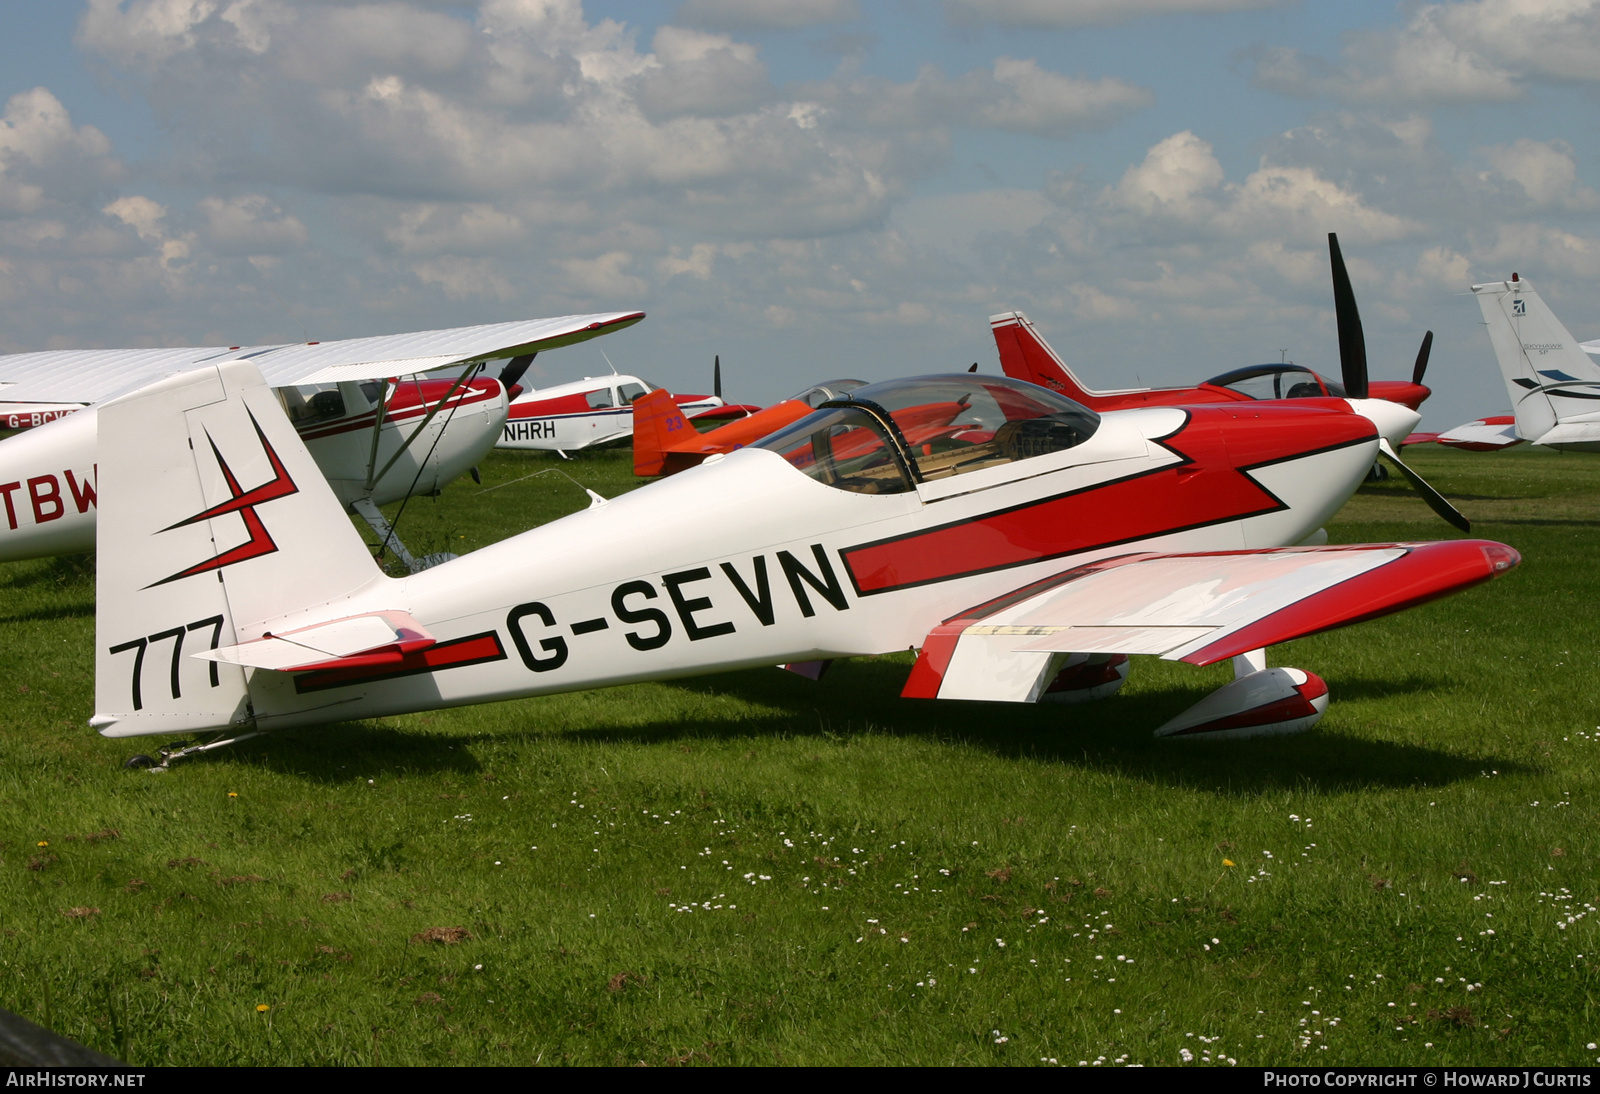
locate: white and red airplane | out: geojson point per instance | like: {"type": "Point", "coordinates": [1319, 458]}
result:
{"type": "Point", "coordinates": [1551, 378]}
{"type": "Point", "coordinates": [376, 438]}
{"type": "Point", "coordinates": [1391, 404]}
{"type": "Point", "coordinates": [593, 411]}
{"type": "Point", "coordinates": [1025, 544]}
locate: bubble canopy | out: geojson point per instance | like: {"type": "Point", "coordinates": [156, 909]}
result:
{"type": "Point", "coordinates": [887, 437]}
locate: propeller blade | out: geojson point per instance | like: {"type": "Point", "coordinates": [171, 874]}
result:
{"type": "Point", "coordinates": [1436, 501]}
{"type": "Point", "coordinates": [716, 375]}
{"type": "Point", "coordinates": [1422, 359]}
{"type": "Point", "coordinates": [515, 368]}
{"type": "Point", "coordinates": [1352, 342]}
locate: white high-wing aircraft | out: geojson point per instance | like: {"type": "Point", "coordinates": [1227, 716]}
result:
{"type": "Point", "coordinates": [1024, 543]}
{"type": "Point", "coordinates": [377, 439]}
{"type": "Point", "coordinates": [1553, 382]}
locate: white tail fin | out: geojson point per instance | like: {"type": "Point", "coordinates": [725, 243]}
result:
{"type": "Point", "coordinates": [1550, 379]}
{"type": "Point", "coordinates": [214, 525]}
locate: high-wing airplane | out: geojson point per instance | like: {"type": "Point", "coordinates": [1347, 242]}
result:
{"type": "Point", "coordinates": [1392, 404]}
{"type": "Point", "coordinates": [377, 438]}
{"type": "Point", "coordinates": [1552, 379]}
{"type": "Point", "coordinates": [1027, 545]}
{"type": "Point", "coordinates": [664, 442]}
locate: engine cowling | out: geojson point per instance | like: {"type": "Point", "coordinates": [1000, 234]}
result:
{"type": "Point", "coordinates": [1267, 703]}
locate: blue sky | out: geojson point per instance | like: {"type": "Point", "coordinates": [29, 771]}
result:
{"type": "Point", "coordinates": [811, 188]}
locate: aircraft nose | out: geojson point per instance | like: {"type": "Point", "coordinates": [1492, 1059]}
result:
{"type": "Point", "coordinates": [1394, 422]}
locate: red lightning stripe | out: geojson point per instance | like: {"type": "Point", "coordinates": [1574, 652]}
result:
{"type": "Point", "coordinates": [242, 502]}
{"type": "Point", "coordinates": [1208, 487]}
{"type": "Point", "coordinates": [279, 486]}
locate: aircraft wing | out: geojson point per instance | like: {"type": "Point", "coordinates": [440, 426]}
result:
{"type": "Point", "coordinates": [92, 376]}
{"type": "Point", "coordinates": [1481, 435]}
{"type": "Point", "coordinates": [1198, 608]}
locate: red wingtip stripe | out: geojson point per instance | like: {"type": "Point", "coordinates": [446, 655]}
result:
{"type": "Point", "coordinates": [1427, 571]}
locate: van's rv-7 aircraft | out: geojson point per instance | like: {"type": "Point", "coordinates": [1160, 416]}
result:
{"type": "Point", "coordinates": [1551, 378]}
{"type": "Point", "coordinates": [379, 431]}
{"type": "Point", "coordinates": [1026, 548]}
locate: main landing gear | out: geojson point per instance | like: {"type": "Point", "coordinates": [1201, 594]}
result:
{"type": "Point", "coordinates": [1260, 702]}
{"type": "Point", "coordinates": [167, 755]}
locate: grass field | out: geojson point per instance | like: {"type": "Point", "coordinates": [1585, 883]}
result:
{"type": "Point", "coordinates": [756, 869]}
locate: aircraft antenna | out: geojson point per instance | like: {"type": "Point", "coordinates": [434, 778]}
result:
{"type": "Point", "coordinates": [608, 362]}
{"type": "Point", "coordinates": [281, 303]}
{"type": "Point", "coordinates": [594, 499]}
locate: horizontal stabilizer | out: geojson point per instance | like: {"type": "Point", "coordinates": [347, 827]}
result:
{"type": "Point", "coordinates": [1571, 433]}
{"type": "Point", "coordinates": [353, 642]}
{"type": "Point", "coordinates": [1199, 608]}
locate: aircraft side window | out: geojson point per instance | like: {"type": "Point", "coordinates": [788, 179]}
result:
{"type": "Point", "coordinates": [373, 390]}
{"type": "Point", "coordinates": [600, 400]}
{"type": "Point", "coordinates": [326, 405]}
{"type": "Point", "coordinates": [308, 405]}
{"type": "Point", "coordinates": [630, 392]}
{"type": "Point", "coordinates": [1261, 386]}
{"type": "Point", "coordinates": [844, 447]}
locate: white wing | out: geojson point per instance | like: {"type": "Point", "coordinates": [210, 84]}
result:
{"type": "Point", "coordinates": [1197, 608]}
{"type": "Point", "coordinates": [92, 376]}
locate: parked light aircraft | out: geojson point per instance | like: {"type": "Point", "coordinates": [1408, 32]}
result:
{"type": "Point", "coordinates": [377, 439]}
{"type": "Point", "coordinates": [1027, 545]}
{"type": "Point", "coordinates": [1552, 380]}
{"type": "Point", "coordinates": [1479, 435]}
{"type": "Point", "coordinates": [1392, 404]}
{"type": "Point", "coordinates": [593, 411]}
{"type": "Point", "coordinates": [664, 442]}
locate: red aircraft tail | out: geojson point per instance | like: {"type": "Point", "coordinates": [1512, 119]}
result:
{"type": "Point", "coordinates": [657, 422]}
{"type": "Point", "coordinates": [1026, 356]}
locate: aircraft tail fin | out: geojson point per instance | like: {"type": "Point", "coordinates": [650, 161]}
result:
{"type": "Point", "coordinates": [658, 424]}
{"type": "Point", "coordinates": [215, 526]}
{"type": "Point", "coordinates": [1024, 355]}
{"type": "Point", "coordinates": [1548, 376]}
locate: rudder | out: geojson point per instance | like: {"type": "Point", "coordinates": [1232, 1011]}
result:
{"type": "Point", "coordinates": [1026, 356]}
{"type": "Point", "coordinates": [214, 525]}
{"type": "Point", "coordinates": [1548, 377]}
{"type": "Point", "coordinates": [657, 424]}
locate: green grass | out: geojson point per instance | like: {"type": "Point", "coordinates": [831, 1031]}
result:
{"type": "Point", "coordinates": [862, 856]}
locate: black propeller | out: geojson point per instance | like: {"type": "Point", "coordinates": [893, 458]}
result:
{"type": "Point", "coordinates": [1353, 361]}
{"type": "Point", "coordinates": [1422, 359]}
{"type": "Point", "coordinates": [1352, 342]}
{"type": "Point", "coordinates": [514, 370]}
{"type": "Point", "coordinates": [1436, 501]}
{"type": "Point", "coordinates": [716, 375]}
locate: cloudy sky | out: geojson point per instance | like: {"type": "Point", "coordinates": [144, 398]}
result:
{"type": "Point", "coordinates": [811, 188]}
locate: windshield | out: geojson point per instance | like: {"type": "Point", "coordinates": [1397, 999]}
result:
{"type": "Point", "coordinates": [844, 447]}
{"type": "Point", "coordinates": [947, 425]}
